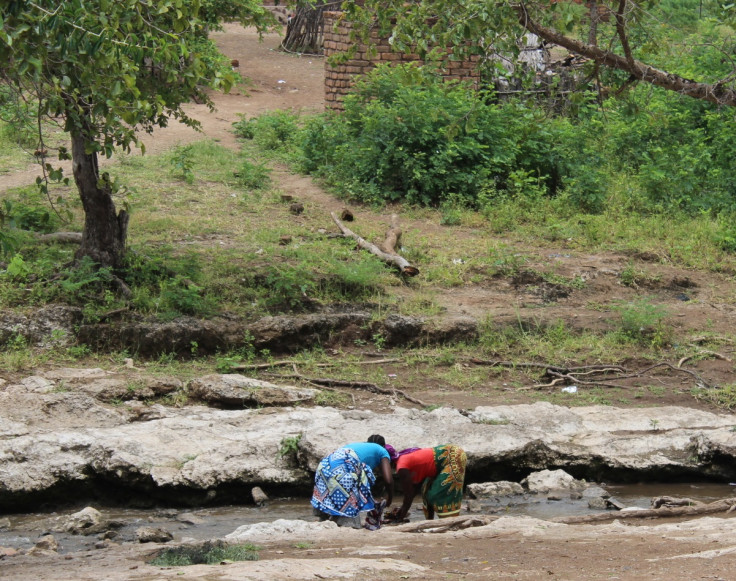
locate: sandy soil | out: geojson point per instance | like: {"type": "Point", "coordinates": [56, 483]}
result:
{"type": "Point", "coordinates": [513, 548]}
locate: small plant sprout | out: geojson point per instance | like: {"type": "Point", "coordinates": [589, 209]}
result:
{"type": "Point", "coordinates": [289, 446]}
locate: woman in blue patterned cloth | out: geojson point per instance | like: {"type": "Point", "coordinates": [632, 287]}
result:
{"type": "Point", "coordinates": [342, 483]}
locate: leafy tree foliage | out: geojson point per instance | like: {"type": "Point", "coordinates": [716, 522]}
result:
{"type": "Point", "coordinates": [107, 70]}
{"type": "Point", "coordinates": [621, 35]}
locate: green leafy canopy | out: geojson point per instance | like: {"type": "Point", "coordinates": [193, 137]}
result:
{"type": "Point", "coordinates": [111, 68]}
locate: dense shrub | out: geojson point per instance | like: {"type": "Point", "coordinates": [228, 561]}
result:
{"type": "Point", "coordinates": [275, 130]}
{"type": "Point", "coordinates": [406, 135]}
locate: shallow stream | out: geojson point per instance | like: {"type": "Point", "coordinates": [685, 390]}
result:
{"type": "Point", "coordinates": [216, 522]}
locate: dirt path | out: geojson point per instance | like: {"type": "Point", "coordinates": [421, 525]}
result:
{"type": "Point", "coordinates": [273, 80]}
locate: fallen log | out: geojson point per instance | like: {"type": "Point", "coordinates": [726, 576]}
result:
{"type": "Point", "coordinates": [388, 251]}
{"type": "Point", "coordinates": [62, 237]}
{"type": "Point", "coordinates": [725, 505]}
{"type": "Point", "coordinates": [445, 525]}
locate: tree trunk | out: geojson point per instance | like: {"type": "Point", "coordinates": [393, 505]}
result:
{"type": "Point", "coordinates": [105, 231]}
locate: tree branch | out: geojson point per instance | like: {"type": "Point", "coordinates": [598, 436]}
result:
{"type": "Point", "coordinates": [391, 239]}
{"type": "Point", "coordinates": [712, 92]}
{"type": "Point", "coordinates": [372, 387]}
{"type": "Point", "coordinates": [621, 32]}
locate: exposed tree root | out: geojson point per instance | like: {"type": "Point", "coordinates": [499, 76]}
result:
{"type": "Point", "coordinates": [372, 387]}
{"type": "Point", "coordinates": [591, 375]}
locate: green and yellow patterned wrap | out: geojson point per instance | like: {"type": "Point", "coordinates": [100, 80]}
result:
{"type": "Point", "coordinates": [443, 494]}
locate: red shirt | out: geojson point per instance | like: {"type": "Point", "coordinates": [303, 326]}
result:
{"type": "Point", "coordinates": [420, 464]}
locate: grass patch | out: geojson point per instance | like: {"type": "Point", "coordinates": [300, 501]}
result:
{"type": "Point", "coordinates": [722, 397]}
{"type": "Point", "coordinates": [332, 398]}
{"type": "Point", "coordinates": [209, 553]}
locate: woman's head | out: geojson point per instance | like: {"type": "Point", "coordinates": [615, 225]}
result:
{"type": "Point", "coordinates": [377, 439]}
{"type": "Point", "coordinates": [381, 441]}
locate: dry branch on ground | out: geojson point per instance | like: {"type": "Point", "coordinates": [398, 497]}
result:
{"type": "Point", "coordinates": [290, 362]}
{"type": "Point", "coordinates": [591, 375]}
{"type": "Point", "coordinates": [445, 525]}
{"type": "Point", "coordinates": [365, 385]}
{"type": "Point", "coordinates": [725, 506]}
{"type": "Point", "coordinates": [387, 251]}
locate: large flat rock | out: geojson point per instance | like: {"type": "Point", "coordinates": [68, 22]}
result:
{"type": "Point", "coordinates": [52, 438]}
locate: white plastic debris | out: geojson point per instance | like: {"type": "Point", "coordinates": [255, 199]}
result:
{"type": "Point", "coordinates": [570, 389]}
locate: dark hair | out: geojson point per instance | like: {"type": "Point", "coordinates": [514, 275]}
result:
{"type": "Point", "coordinates": [377, 439]}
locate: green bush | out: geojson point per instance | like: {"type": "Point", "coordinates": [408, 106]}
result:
{"type": "Point", "coordinates": [253, 176]}
{"type": "Point", "coordinates": [276, 130]}
{"type": "Point", "coordinates": [643, 322]}
{"type": "Point", "coordinates": [26, 217]}
{"type": "Point", "coordinates": [406, 134]}
{"type": "Point", "coordinates": [182, 162]}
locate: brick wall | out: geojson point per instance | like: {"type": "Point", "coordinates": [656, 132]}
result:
{"type": "Point", "coordinates": [339, 79]}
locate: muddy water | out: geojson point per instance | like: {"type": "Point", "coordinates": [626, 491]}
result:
{"type": "Point", "coordinates": [189, 524]}
{"type": "Point", "coordinates": [630, 495]}
{"type": "Point", "coordinates": [216, 522]}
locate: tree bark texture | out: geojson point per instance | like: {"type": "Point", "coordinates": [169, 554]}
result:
{"type": "Point", "coordinates": [105, 231]}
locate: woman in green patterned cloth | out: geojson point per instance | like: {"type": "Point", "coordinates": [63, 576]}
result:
{"type": "Point", "coordinates": [439, 473]}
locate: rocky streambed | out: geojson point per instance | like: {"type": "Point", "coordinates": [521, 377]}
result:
{"type": "Point", "coordinates": [71, 434]}
{"type": "Point", "coordinates": [242, 453]}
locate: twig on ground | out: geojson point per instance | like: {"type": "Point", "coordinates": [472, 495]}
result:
{"type": "Point", "coordinates": [712, 354]}
{"type": "Point", "coordinates": [328, 382]}
{"type": "Point", "coordinates": [285, 362]}
{"type": "Point", "coordinates": [586, 375]}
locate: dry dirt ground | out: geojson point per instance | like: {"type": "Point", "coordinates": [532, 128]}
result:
{"type": "Point", "coordinates": [508, 549]}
